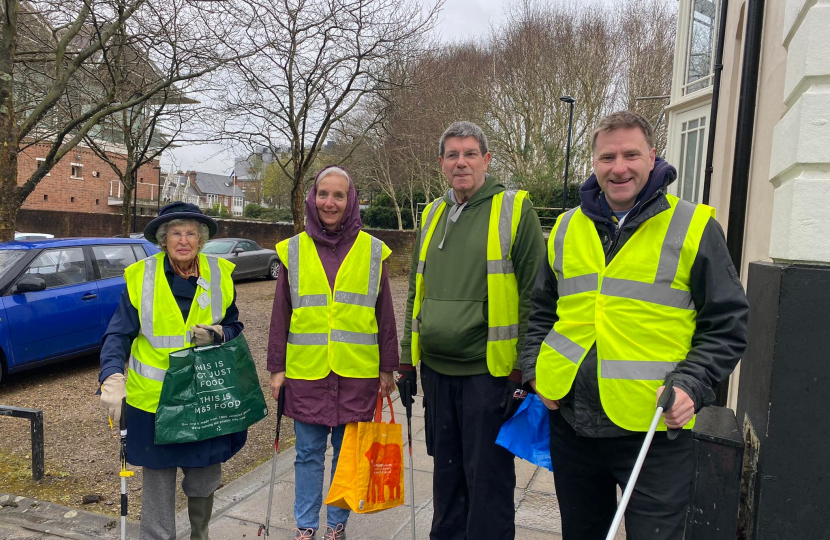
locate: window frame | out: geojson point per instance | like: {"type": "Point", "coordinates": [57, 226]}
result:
{"type": "Point", "coordinates": [678, 149]}
{"type": "Point", "coordinates": [91, 254]}
{"type": "Point", "coordinates": [73, 170]}
{"type": "Point", "coordinates": [38, 161]}
{"type": "Point", "coordinates": [685, 84]}
{"type": "Point", "coordinates": [89, 275]}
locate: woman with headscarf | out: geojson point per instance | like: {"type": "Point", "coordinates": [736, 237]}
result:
{"type": "Point", "coordinates": [333, 341]}
{"type": "Point", "coordinates": [175, 299]}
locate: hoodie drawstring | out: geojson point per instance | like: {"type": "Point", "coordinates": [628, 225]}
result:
{"type": "Point", "coordinates": [453, 216]}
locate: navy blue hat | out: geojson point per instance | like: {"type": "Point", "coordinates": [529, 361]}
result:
{"type": "Point", "coordinates": [179, 210]}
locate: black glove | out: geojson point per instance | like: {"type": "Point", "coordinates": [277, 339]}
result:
{"type": "Point", "coordinates": [407, 374]}
{"type": "Point", "coordinates": [514, 395]}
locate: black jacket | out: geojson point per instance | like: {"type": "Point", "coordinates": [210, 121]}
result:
{"type": "Point", "coordinates": [720, 301]}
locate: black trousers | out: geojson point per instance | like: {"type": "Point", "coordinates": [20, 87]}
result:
{"type": "Point", "coordinates": [587, 471]}
{"type": "Point", "coordinates": [474, 479]}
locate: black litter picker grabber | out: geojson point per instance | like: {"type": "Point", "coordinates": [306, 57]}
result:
{"type": "Point", "coordinates": [280, 406]}
{"type": "Point", "coordinates": [124, 474]}
{"type": "Point", "coordinates": [407, 399]}
{"type": "Point", "coordinates": [663, 404]}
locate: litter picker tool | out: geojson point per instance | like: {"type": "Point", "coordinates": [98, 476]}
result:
{"type": "Point", "coordinates": [124, 474]}
{"type": "Point", "coordinates": [280, 406]}
{"type": "Point", "coordinates": [407, 399]}
{"type": "Point", "coordinates": [663, 404]}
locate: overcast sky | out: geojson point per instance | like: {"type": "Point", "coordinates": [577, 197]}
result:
{"type": "Point", "coordinates": [459, 20]}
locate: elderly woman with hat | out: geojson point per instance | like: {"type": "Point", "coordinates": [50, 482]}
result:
{"type": "Point", "coordinates": [333, 341]}
{"type": "Point", "coordinates": [175, 299]}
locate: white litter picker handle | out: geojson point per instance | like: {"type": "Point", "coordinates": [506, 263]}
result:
{"type": "Point", "coordinates": [664, 403]}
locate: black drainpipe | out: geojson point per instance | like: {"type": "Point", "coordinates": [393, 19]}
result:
{"type": "Point", "coordinates": [713, 114]}
{"type": "Point", "coordinates": [745, 131]}
{"type": "Point", "coordinates": [743, 146]}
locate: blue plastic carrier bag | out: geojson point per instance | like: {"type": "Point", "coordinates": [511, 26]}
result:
{"type": "Point", "coordinates": [527, 434]}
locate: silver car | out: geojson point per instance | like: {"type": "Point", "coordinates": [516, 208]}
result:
{"type": "Point", "coordinates": [250, 259]}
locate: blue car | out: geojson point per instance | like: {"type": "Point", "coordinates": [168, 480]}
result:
{"type": "Point", "coordinates": [57, 296]}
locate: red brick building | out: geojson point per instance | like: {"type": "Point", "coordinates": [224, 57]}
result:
{"type": "Point", "coordinates": [83, 182]}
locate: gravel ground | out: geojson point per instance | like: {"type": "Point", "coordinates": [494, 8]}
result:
{"type": "Point", "coordinates": [80, 450]}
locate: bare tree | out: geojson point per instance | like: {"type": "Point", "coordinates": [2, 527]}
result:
{"type": "Point", "coordinates": [56, 80]}
{"type": "Point", "coordinates": [320, 59]}
{"type": "Point", "coordinates": [170, 44]}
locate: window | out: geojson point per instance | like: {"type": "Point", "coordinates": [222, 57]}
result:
{"type": "Point", "coordinates": [112, 260]}
{"type": "Point", "coordinates": [139, 252]}
{"type": "Point", "coordinates": [46, 197]}
{"type": "Point", "coordinates": [40, 161]}
{"type": "Point", "coordinates": [59, 267]}
{"type": "Point", "coordinates": [71, 199]}
{"type": "Point", "coordinates": [690, 166]}
{"type": "Point", "coordinates": [97, 201]}
{"type": "Point", "coordinates": [77, 171]}
{"type": "Point", "coordinates": [701, 45]}
{"type": "Point", "coordinates": [246, 246]}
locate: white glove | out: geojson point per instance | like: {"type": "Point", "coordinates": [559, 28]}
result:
{"type": "Point", "coordinates": [203, 338]}
{"type": "Point", "coordinates": [113, 391]}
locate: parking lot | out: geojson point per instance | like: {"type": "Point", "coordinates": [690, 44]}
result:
{"type": "Point", "coordinates": [80, 450]}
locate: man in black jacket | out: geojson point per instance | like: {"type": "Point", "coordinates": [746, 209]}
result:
{"type": "Point", "coordinates": [698, 314]}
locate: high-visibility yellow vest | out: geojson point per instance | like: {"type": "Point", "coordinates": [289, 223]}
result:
{"type": "Point", "coordinates": [162, 328]}
{"type": "Point", "coordinates": [333, 331]}
{"type": "Point", "coordinates": [502, 289]}
{"type": "Point", "coordinates": [638, 309]}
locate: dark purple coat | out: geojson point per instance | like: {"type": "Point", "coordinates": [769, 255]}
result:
{"type": "Point", "coordinates": [333, 400]}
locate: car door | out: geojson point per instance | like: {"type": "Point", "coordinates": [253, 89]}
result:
{"type": "Point", "coordinates": [246, 260]}
{"type": "Point", "coordinates": [64, 318]}
{"type": "Point", "coordinates": [109, 263]}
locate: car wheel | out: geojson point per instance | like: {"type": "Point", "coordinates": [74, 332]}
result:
{"type": "Point", "coordinates": [273, 270]}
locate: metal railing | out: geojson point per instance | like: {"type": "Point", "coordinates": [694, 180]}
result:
{"type": "Point", "coordinates": [115, 189]}
{"type": "Point", "coordinates": [35, 418]}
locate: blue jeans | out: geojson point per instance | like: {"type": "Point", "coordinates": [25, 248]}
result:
{"type": "Point", "coordinates": [308, 474]}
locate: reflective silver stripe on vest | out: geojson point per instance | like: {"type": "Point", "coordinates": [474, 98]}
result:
{"type": "Point", "coordinates": [506, 222]}
{"type": "Point", "coordinates": [647, 292]}
{"type": "Point", "coordinates": [150, 372]}
{"type": "Point", "coordinates": [355, 338]}
{"type": "Point", "coordinates": [420, 267]}
{"type": "Point", "coordinates": [672, 244]}
{"type": "Point", "coordinates": [500, 267]}
{"type": "Point", "coordinates": [564, 346]}
{"type": "Point", "coordinates": [636, 370]}
{"type": "Point", "coordinates": [147, 302]}
{"type": "Point", "coordinates": [297, 301]}
{"type": "Point", "coordinates": [416, 325]}
{"type": "Point", "coordinates": [576, 284]}
{"type": "Point", "coordinates": [503, 333]}
{"type": "Point", "coordinates": [215, 290]}
{"type": "Point", "coordinates": [308, 339]}
{"type": "Point", "coordinates": [370, 299]}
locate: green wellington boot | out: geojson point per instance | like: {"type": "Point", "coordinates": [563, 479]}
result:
{"type": "Point", "coordinates": [199, 510]}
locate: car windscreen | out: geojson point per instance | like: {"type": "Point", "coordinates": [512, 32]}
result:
{"type": "Point", "coordinates": [8, 257]}
{"type": "Point", "coordinates": [217, 247]}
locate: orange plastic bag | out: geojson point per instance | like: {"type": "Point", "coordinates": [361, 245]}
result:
{"type": "Point", "coordinates": [369, 475]}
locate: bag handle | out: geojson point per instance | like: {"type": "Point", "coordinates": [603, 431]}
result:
{"type": "Point", "coordinates": [379, 408]}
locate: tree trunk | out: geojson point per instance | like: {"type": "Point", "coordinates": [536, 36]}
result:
{"type": "Point", "coordinates": [398, 213]}
{"type": "Point", "coordinates": [127, 209]}
{"type": "Point", "coordinates": [9, 198]}
{"type": "Point", "coordinates": [298, 202]}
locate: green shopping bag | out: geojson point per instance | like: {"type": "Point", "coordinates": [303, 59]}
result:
{"type": "Point", "coordinates": [208, 392]}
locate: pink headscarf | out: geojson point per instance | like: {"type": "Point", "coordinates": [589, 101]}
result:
{"type": "Point", "coordinates": [350, 225]}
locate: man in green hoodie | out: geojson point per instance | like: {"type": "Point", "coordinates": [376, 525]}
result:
{"type": "Point", "coordinates": [476, 257]}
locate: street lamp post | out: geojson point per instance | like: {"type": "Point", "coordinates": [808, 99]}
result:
{"type": "Point", "coordinates": [569, 100]}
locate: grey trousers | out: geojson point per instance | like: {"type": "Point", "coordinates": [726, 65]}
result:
{"type": "Point", "coordinates": [158, 497]}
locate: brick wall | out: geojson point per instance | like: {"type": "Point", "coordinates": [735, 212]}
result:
{"type": "Point", "coordinates": [65, 224]}
{"type": "Point", "coordinates": [59, 191]}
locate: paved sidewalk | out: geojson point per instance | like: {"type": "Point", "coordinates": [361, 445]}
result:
{"type": "Point", "coordinates": [241, 505]}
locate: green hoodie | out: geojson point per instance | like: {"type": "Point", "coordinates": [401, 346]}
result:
{"type": "Point", "coordinates": [453, 316]}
